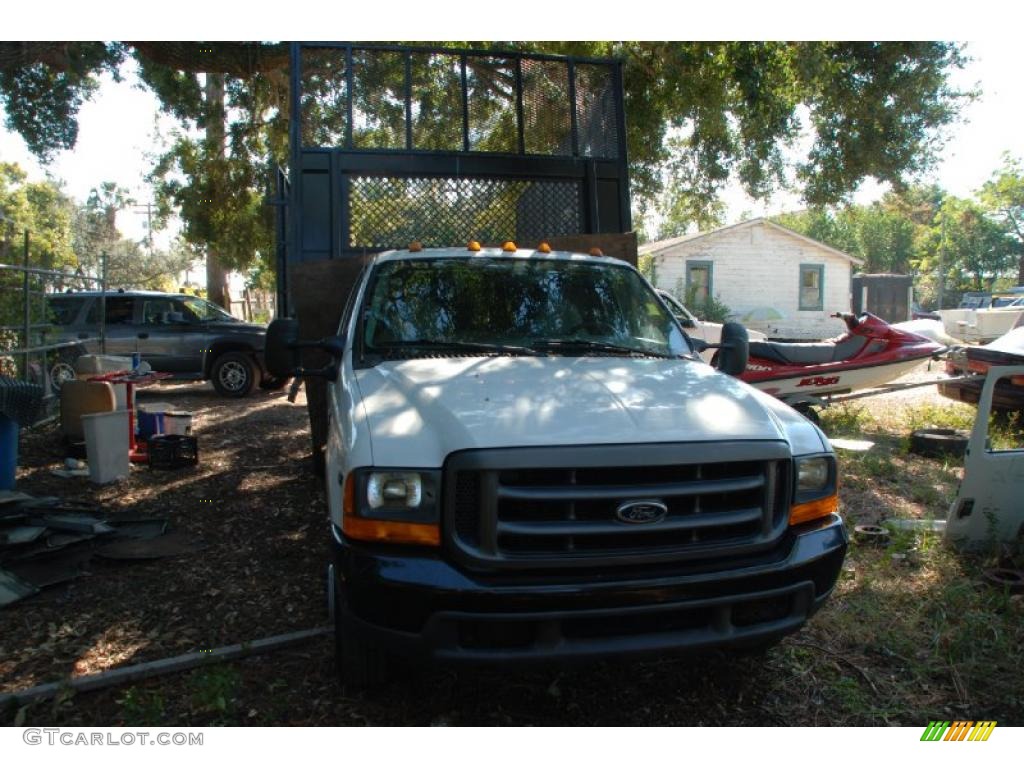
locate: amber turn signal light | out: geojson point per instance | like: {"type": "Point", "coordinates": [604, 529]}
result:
{"type": "Point", "coordinates": [390, 532]}
{"type": "Point", "coordinates": [812, 510]}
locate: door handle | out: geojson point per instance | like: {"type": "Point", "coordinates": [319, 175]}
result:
{"type": "Point", "coordinates": [143, 335]}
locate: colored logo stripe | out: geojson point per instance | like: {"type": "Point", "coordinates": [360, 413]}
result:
{"type": "Point", "coordinates": [935, 730]}
{"type": "Point", "coordinates": [982, 730]}
{"type": "Point", "coordinates": [958, 730]}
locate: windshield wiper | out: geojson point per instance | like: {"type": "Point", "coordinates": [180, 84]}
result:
{"type": "Point", "coordinates": [599, 346]}
{"type": "Point", "coordinates": [469, 346]}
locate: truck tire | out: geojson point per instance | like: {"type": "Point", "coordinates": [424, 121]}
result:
{"type": "Point", "coordinates": [358, 664]}
{"type": "Point", "coordinates": [938, 443]}
{"type": "Point", "coordinates": [233, 374]}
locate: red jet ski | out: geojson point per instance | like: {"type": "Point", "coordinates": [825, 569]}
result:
{"type": "Point", "coordinates": [871, 354]}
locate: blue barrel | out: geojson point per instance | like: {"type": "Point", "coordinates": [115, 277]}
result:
{"type": "Point", "coordinates": [8, 452]}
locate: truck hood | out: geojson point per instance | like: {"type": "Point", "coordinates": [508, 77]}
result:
{"type": "Point", "coordinates": [419, 411]}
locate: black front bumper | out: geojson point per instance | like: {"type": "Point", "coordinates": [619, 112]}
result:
{"type": "Point", "coordinates": [419, 605]}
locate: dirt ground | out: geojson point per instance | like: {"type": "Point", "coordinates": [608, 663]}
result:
{"type": "Point", "coordinates": [258, 521]}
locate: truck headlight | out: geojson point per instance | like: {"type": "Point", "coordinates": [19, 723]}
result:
{"type": "Point", "coordinates": [394, 489]}
{"type": "Point", "coordinates": [397, 506]}
{"type": "Point", "coordinates": [812, 474]}
{"type": "Point", "coordinates": [815, 493]}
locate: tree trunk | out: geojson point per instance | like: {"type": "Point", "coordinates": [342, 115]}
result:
{"type": "Point", "coordinates": [1020, 270]}
{"type": "Point", "coordinates": [216, 275]}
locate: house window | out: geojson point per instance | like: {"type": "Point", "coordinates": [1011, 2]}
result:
{"type": "Point", "coordinates": [812, 286]}
{"type": "Point", "coordinates": [698, 281]}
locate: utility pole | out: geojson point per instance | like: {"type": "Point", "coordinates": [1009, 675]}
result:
{"type": "Point", "coordinates": [148, 208]}
{"type": "Point", "coordinates": [942, 262]}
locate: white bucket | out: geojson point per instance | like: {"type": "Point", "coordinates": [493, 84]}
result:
{"type": "Point", "coordinates": [177, 423]}
{"type": "Point", "coordinates": [106, 445]}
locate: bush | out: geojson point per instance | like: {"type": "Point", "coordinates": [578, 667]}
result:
{"type": "Point", "coordinates": [711, 310]}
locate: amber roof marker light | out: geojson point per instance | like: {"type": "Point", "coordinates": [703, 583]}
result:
{"type": "Point", "coordinates": [415, 246]}
{"type": "Point", "coordinates": [473, 246]}
{"type": "Point", "coordinates": [509, 247]}
{"type": "Point", "coordinates": [544, 247]}
{"type": "Point", "coordinates": [595, 251]}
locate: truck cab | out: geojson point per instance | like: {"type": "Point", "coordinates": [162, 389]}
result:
{"type": "Point", "coordinates": [528, 460]}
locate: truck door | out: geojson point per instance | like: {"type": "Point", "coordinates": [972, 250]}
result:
{"type": "Point", "coordinates": [988, 505]}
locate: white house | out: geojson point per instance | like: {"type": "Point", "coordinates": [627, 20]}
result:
{"type": "Point", "coordinates": [773, 279]}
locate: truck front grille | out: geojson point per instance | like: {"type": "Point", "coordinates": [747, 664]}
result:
{"type": "Point", "coordinates": [551, 508]}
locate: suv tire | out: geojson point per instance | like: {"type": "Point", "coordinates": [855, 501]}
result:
{"type": "Point", "coordinates": [233, 374]}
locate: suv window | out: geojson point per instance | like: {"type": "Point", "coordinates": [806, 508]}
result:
{"type": "Point", "coordinates": [120, 310]}
{"type": "Point", "coordinates": [163, 312]}
{"type": "Point", "coordinates": [63, 310]}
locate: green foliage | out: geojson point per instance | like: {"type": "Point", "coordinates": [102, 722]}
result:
{"type": "Point", "coordinates": [699, 114]}
{"type": "Point", "coordinates": [711, 310]}
{"type": "Point", "coordinates": [44, 210]}
{"type": "Point", "coordinates": [1003, 197]}
{"type": "Point", "coordinates": [214, 689]}
{"type": "Point", "coordinates": [140, 706]}
{"type": "Point", "coordinates": [648, 267]}
{"type": "Point", "coordinates": [41, 100]}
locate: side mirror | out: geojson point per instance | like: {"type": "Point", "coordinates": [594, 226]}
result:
{"type": "Point", "coordinates": [282, 345]}
{"type": "Point", "coordinates": [279, 348]}
{"type": "Point", "coordinates": [734, 350]}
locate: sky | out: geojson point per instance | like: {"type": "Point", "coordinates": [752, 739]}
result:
{"type": "Point", "coordinates": [120, 131]}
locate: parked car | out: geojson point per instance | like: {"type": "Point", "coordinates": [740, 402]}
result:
{"type": "Point", "coordinates": [975, 362]}
{"type": "Point", "coordinates": [186, 336]}
{"type": "Point", "coordinates": [527, 461]}
{"type": "Point", "coordinates": [917, 312]}
{"type": "Point", "coordinates": [701, 329]}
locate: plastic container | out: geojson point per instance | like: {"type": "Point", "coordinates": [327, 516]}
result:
{"type": "Point", "coordinates": [151, 419]}
{"type": "Point", "coordinates": [106, 445]}
{"type": "Point", "coordinates": [173, 451]}
{"type": "Point", "coordinates": [8, 452]}
{"type": "Point", "coordinates": [177, 423]}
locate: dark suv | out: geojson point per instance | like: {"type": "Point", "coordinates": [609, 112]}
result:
{"type": "Point", "coordinates": [183, 335]}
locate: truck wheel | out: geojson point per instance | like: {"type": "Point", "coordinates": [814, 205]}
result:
{"type": "Point", "coordinates": [233, 374]}
{"type": "Point", "coordinates": [357, 663]}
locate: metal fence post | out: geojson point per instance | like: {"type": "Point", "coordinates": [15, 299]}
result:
{"type": "Point", "coordinates": [103, 303]}
{"type": "Point", "coordinates": [27, 312]}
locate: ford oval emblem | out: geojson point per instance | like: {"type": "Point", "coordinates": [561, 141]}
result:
{"type": "Point", "coordinates": [644, 511]}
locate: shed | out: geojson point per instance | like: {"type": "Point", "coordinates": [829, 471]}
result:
{"type": "Point", "coordinates": [772, 279]}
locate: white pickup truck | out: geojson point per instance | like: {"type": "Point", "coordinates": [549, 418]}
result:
{"type": "Point", "coordinates": [528, 460]}
{"type": "Point", "coordinates": [701, 329]}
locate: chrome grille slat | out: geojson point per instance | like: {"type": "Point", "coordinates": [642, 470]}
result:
{"type": "Point", "coordinates": [576, 528]}
{"type": "Point", "coordinates": [591, 492]}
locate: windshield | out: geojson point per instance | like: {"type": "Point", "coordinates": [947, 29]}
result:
{"type": "Point", "coordinates": [517, 306]}
{"type": "Point", "coordinates": [205, 312]}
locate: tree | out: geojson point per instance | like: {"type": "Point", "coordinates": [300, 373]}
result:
{"type": "Point", "coordinates": [966, 246]}
{"type": "Point", "coordinates": [698, 113]}
{"type": "Point", "coordinates": [44, 210]}
{"type": "Point", "coordinates": [1003, 195]}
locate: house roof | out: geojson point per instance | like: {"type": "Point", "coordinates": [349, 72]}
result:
{"type": "Point", "coordinates": [661, 246]}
